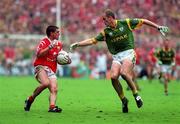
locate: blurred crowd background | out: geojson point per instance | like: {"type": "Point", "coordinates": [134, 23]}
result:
{"type": "Point", "coordinates": [81, 19]}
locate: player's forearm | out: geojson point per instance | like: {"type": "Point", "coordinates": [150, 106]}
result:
{"type": "Point", "coordinates": [149, 23]}
{"type": "Point", "coordinates": [43, 52]}
{"type": "Point", "coordinates": [86, 42]}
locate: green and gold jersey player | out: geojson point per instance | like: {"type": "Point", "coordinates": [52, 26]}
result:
{"type": "Point", "coordinates": [121, 37]}
{"type": "Point", "coordinates": [166, 57]}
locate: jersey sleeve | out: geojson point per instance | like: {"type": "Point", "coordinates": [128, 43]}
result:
{"type": "Point", "coordinates": [100, 36]}
{"type": "Point", "coordinates": [157, 53]}
{"type": "Point", "coordinates": [173, 53]}
{"type": "Point", "coordinates": [42, 45]}
{"type": "Point", "coordinates": [134, 23]}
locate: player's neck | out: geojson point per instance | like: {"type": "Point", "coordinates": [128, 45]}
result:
{"type": "Point", "coordinates": [50, 38]}
{"type": "Point", "coordinates": [114, 24]}
{"type": "Point", "coordinates": [166, 48]}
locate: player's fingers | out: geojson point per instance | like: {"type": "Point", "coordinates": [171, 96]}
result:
{"type": "Point", "coordinates": [162, 32]}
{"type": "Point", "coordinates": [71, 49]}
{"type": "Point", "coordinates": [65, 59]}
{"type": "Point", "coordinates": [165, 29]}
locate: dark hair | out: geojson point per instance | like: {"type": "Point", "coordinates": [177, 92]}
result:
{"type": "Point", "coordinates": [109, 13]}
{"type": "Point", "coordinates": [50, 29]}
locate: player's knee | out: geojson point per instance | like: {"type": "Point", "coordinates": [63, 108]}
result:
{"type": "Point", "coordinates": [125, 75]}
{"type": "Point", "coordinates": [45, 85]}
{"type": "Point", "coordinates": [54, 89]}
{"type": "Point", "coordinates": [114, 76]}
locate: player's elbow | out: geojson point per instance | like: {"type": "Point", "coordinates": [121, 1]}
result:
{"type": "Point", "coordinates": [92, 41]}
{"type": "Point", "coordinates": [39, 54]}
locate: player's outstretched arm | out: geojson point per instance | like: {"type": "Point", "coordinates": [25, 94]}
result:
{"type": "Point", "coordinates": [162, 29]}
{"type": "Point", "coordinates": [83, 43]}
{"type": "Point", "coordinates": [150, 23]}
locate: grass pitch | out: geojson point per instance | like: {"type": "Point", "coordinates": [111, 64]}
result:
{"type": "Point", "coordinates": [88, 102]}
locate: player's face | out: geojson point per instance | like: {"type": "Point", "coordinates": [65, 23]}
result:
{"type": "Point", "coordinates": [108, 21]}
{"type": "Point", "coordinates": [166, 44]}
{"type": "Point", "coordinates": [56, 34]}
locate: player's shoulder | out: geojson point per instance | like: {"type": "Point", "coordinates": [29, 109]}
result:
{"type": "Point", "coordinates": [158, 50]}
{"type": "Point", "coordinates": [124, 21]}
{"type": "Point", "coordinates": [121, 20]}
{"type": "Point", "coordinates": [45, 39]}
{"type": "Point", "coordinates": [130, 20]}
{"type": "Point", "coordinates": [173, 50]}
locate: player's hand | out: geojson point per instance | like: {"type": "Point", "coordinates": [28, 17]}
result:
{"type": "Point", "coordinates": [73, 46]}
{"type": "Point", "coordinates": [173, 64]}
{"type": "Point", "coordinates": [163, 30]}
{"type": "Point", "coordinates": [53, 43]}
{"type": "Point", "coordinates": [159, 62]}
{"type": "Point", "coordinates": [66, 60]}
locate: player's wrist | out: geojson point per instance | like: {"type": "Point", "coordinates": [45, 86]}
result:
{"type": "Point", "coordinates": [53, 43]}
{"type": "Point", "coordinates": [77, 44]}
{"type": "Point", "coordinates": [50, 46]}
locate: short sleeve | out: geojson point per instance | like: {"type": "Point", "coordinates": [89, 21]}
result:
{"type": "Point", "coordinates": [157, 52]}
{"type": "Point", "coordinates": [41, 46]}
{"type": "Point", "coordinates": [100, 36]}
{"type": "Point", "coordinates": [134, 23]}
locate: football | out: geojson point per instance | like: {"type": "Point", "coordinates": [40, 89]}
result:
{"type": "Point", "coordinates": [63, 58]}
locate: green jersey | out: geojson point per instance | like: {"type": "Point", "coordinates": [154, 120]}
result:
{"type": "Point", "coordinates": [165, 56]}
{"type": "Point", "coordinates": [120, 38]}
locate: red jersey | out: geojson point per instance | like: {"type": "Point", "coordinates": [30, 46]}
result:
{"type": "Point", "coordinates": [137, 54]}
{"type": "Point", "coordinates": [9, 53]}
{"type": "Point", "coordinates": [178, 59]}
{"type": "Point", "coordinates": [50, 59]}
{"type": "Point", "coordinates": [151, 56]}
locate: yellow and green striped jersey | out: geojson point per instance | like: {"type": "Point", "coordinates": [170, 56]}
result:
{"type": "Point", "coordinates": [165, 56]}
{"type": "Point", "coordinates": [120, 38]}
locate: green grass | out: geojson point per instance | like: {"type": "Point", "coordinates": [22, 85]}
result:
{"type": "Point", "coordinates": [88, 102]}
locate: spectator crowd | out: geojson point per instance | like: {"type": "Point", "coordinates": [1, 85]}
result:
{"type": "Point", "coordinates": [32, 16]}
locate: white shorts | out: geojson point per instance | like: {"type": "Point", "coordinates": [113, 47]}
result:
{"type": "Point", "coordinates": [127, 54]}
{"type": "Point", "coordinates": [48, 71]}
{"type": "Point", "coordinates": [166, 68]}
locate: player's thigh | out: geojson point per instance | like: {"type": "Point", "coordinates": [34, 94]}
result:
{"type": "Point", "coordinates": [115, 70]}
{"type": "Point", "coordinates": [127, 67]}
{"type": "Point", "coordinates": [42, 77]}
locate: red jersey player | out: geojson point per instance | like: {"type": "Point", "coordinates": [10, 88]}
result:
{"type": "Point", "coordinates": [151, 63]}
{"type": "Point", "coordinates": [45, 66]}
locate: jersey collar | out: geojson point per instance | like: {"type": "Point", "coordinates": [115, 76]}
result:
{"type": "Point", "coordinates": [165, 49]}
{"type": "Point", "coordinates": [115, 25]}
